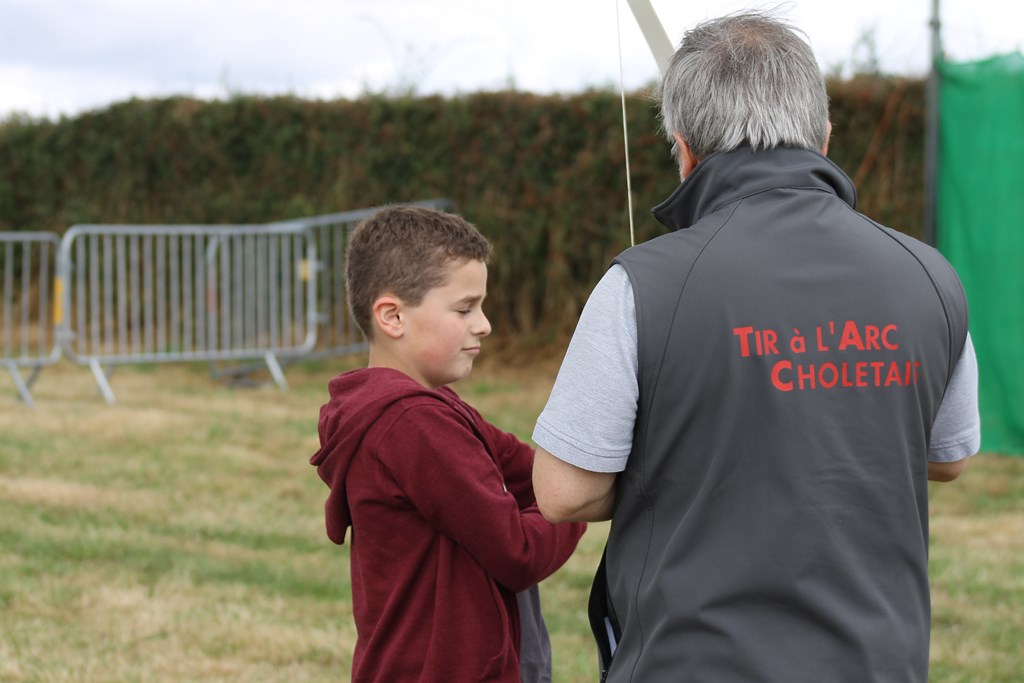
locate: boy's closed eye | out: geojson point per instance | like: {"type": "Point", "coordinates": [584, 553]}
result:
{"type": "Point", "coordinates": [467, 306]}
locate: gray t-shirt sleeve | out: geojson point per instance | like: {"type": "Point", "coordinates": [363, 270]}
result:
{"type": "Point", "coordinates": [588, 420]}
{"type": "Point", "coordinates": [956, 433]}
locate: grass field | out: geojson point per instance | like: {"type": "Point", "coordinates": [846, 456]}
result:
{"type": "Point", "coordinates": [178, 536]}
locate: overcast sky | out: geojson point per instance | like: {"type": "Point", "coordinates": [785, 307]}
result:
{"type": "Point", "coordinates": [65, 56]}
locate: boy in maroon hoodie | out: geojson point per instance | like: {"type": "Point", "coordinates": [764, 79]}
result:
{"type": "Point", "coordinates": [445, 528]}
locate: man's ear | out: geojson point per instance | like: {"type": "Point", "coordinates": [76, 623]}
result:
{"type": "Point", "coordinates": [387, 315]}
{"type": "Point", "coordinates": [685, 157]}
{"type": "Point", "coordinates": [828, 137]}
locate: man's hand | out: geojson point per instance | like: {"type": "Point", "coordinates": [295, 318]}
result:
{"type": "Point", "coordinates": [566, 493]}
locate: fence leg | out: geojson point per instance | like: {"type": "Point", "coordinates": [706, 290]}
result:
{"type": "Point", "coordinates": [23, 391]}
{"type": "Point", "coordinates": [35, 374]}
{"type": "Point", "coordinates": [101, 381]}
{"type": "Point", "coordinates": [275, 370]}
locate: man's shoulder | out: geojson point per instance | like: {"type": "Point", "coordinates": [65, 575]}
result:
{"type": "Point", "coordinates": [930, 258]}
{"type": "Point", "coordinates": [677, 246]}
{"type": "Point", "coordinates": [939, 270]}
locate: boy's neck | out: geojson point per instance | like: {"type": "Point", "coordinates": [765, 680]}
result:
{"type": "Point", "coordinates": [382, 356]}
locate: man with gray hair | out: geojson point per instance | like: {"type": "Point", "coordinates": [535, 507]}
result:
{"type": "Point", "coordinates": [758, 398]}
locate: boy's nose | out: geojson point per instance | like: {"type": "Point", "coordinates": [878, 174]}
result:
{"type": "Point", "coordinates": [482, 328]}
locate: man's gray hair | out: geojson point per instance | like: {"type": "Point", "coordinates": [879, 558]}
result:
{"type": "Point", "coordinates": [744, 78]}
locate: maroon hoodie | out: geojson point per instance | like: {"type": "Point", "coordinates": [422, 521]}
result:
{"type": "Point", "coordinates": [445, 529]}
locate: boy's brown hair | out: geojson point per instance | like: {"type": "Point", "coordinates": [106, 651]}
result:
{"type": "Point", "coordinates": [405, 251]}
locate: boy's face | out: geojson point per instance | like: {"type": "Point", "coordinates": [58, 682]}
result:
{"type": "Point", "coordinates": [442, 334]}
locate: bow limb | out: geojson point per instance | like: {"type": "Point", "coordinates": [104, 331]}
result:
{"type": "Point", "coordinates": [654, 33]}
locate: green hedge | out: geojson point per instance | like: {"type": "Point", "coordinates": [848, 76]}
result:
{"type": "Point", "coordinates": [542, 176]}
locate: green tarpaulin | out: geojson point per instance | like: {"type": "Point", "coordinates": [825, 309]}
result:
{"type": "Point", "coordinates": [980, 228]}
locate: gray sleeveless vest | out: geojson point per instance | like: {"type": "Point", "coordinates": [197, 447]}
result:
{"type": "Point", "coordinates": [772, 522]}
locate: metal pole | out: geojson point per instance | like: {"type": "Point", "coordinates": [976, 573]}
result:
{"type": "Point", "coordinates": [931, 128]}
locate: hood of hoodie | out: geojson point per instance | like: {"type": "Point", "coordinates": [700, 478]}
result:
{"type": "Point", "coordinates": [357, 400]}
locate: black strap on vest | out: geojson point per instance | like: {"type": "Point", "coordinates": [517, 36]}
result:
{"type": "Point", "coordinates": [603, 624]}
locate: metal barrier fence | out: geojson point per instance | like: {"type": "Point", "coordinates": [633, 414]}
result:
{"type": "Point", "coordinates": [149, 294]}
{"type": "Point", "coordinates": [138, 294]}
{"type": "Point", "coordinates": [29, 339]}
{"type": "Point", "coordinates": [338, 334]}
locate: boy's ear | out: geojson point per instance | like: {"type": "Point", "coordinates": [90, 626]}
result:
{"type": "Point", "coordinates": [387, 315]}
